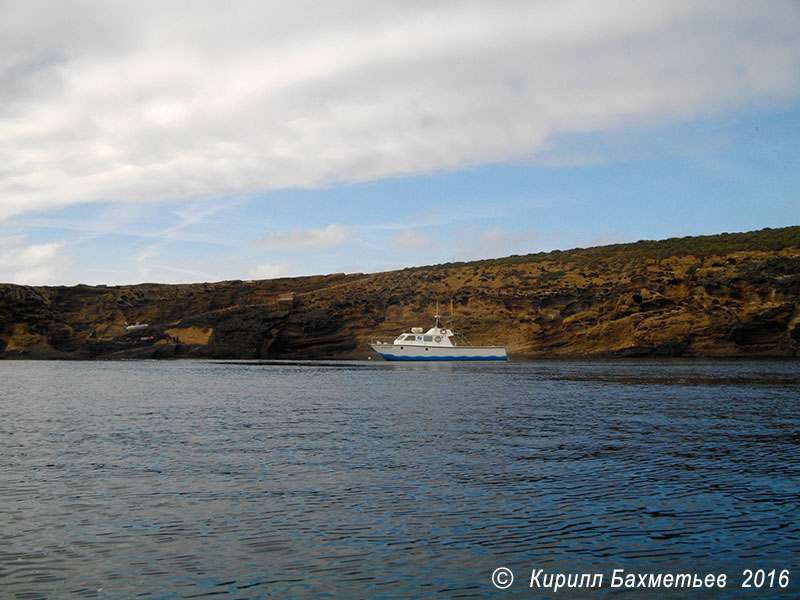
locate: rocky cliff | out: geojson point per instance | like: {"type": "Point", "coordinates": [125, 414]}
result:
{"type": "Point", "coordinates": [724, 295]}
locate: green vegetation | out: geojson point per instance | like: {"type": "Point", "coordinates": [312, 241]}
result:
{"type": "Point", "coordinates": [700, 246]}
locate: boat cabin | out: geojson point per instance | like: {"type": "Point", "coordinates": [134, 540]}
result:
{"type": "Point", "coordinates": [435, 336]}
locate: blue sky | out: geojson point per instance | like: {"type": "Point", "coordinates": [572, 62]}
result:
{"type": "Point", "coordinates": [143, 143]}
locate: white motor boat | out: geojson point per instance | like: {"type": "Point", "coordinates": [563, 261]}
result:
{"type": "Point", "coordinates": [438, 343]}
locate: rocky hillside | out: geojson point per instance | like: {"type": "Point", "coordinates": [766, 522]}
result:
{"type": "Point", "coordinates": [723, 295]}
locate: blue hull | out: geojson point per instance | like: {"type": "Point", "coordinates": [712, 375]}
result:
{"type": "Point", "coordinates": [438, 358]}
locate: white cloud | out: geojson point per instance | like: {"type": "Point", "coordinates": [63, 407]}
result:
{"type": "Point", "coordinates": [493, 243]}
{"type": "Point", "coordinates": [607, 238]}
{"type": "Point", "coordinates": [153, 101]}
{"type": "Point", "coordinates": [269, 270]}
{"type": "Point", "coordinates": [30, 264]}
{"type": "Point", "coordinates": [412, 240]}
{"type": "Point", "coordinates": [332, 235]}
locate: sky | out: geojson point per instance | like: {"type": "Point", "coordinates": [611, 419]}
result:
{"type": "Point", "coordinates": [180, 142]}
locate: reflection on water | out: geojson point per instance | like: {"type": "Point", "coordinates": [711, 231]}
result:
{"type": "Point", "coordinates": [392, 480]}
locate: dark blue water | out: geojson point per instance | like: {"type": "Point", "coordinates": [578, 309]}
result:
{"type": "Point", "coordinates": [390, 480]}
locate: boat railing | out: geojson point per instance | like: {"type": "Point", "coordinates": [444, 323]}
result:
{"type": "Point", "coordinates": [462, 340]}
{"type": "Point", "coordinates": [382, 340]}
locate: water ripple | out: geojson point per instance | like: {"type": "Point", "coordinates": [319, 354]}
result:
{"type": "Point", "coordinates": [324, 480]}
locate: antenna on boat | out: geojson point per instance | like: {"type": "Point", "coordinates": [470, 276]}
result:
{"type": "Point", "coordinates": [436, 316]}
{"type": "Point", "coordinates": [452, 313]}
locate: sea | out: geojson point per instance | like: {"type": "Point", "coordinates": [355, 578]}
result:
{"type": "Point", "coordinates": [369, 479]}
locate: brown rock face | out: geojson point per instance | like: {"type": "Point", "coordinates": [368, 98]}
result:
{"type": "Point", "coordinates": [725, 295]}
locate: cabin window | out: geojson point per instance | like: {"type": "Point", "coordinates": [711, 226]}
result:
{"type": "Point", "coordinates": [411, 337]}
{"type": "Point", "coordinates": [427, 338]}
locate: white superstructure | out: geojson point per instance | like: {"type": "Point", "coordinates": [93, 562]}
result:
{"type": "Point", "coordinates": [438, 343]}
